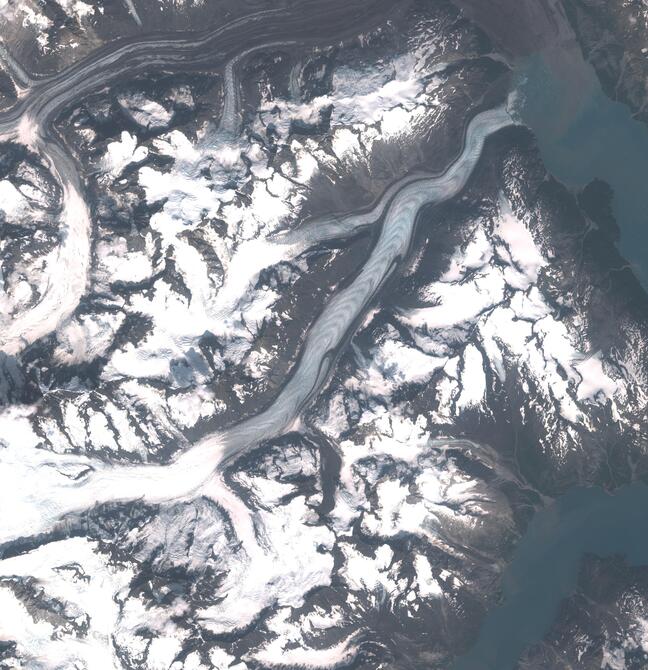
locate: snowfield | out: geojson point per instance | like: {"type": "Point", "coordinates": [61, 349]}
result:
{"type": "Point", "coordinates": [278, 343]}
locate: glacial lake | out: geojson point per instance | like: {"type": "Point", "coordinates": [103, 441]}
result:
{"type": "Point", "coordinates": [583, 135]}
{"type": "Point", "coordinates": [546, 563]}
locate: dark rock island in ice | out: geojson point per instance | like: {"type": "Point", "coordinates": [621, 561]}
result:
{"type": "Point", "coordinates": [323, 341]}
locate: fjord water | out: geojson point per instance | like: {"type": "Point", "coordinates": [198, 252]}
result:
{"type": "Point", "coordinates": [545, 566]}
{"type": "Point", "coordinates": [583, 134]}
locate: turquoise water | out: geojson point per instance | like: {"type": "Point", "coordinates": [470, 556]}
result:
{"type": "Point", "coordinates": [583, 134]}
{"type": "Point", "coordinates": [545, 566]}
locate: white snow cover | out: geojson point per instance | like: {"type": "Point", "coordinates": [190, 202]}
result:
{"type": "Point", "coordinates": [458, 302]}
{"type": "Point", "coordinates": [274, 574]}
{"type": "Point", "coordinates": [446, 495]}
{"type": "Point", "coordinates": [146, 113]}
{"type": "Point", "coordinates": [188, 407]}
{"type": "Point", "coordinates": [123, 153]}
{"type": "Point", "coordinates": [473, 379]}
{"type": "Point", "coordinates": [282, 551]}
{"type": "Point", "coordinates": [477, 253]}
{"type": "Point", "coordinates": [234, 311]}
{"type": "Point", "coordinates": [72, 572]}
{"type": "Point", "coordinates": [493, 289]}
{"type": "Point", "coordinates": [62, 283]}
{"type": "Point", "coordinates": [519, 241]}
{"type": "Point", "coordinates": [86, 337]}
{"type": "Point", "coordinates": [371, 573]}
{"type": "Point", "coordinates": [595, 383]}
{"type": "Point", "coordinates": [389, 433]}
{"type": "Point", "coordinates": [66, 483]}
{"type": "Point", "coordinates": [290, 648]}
{"type": "Point", "coordinates": [12, 201]}
{"type": "Point", "coordinates": [338, 655]}
{"type": "Point", "coordinates": [259, 575]}
{"type": "Point", "coordinates": [428, 586]}
{"type": "Point", "coordinates": [393, 364]}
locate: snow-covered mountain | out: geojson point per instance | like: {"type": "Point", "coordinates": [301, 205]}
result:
{"type": "Point", "coordinates": [297, 333]}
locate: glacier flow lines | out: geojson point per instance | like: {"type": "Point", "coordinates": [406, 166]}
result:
{"type": "Point", "coordinates": [63, 484]}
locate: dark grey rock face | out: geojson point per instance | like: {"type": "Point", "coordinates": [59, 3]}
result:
{"type": "Point", "coordinates": [602, 625]}
{"type": "Point", "coordinates": [612, 36]}
{"type": "Point", "coordinates": [297, 334]}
